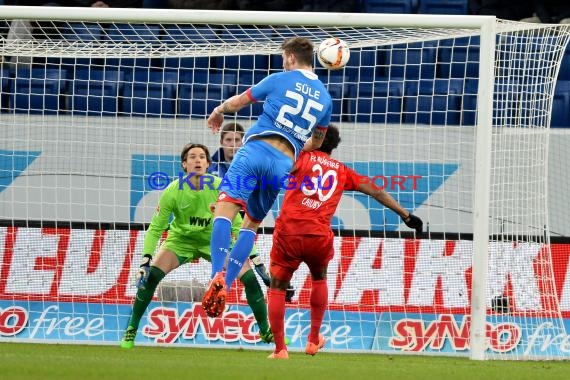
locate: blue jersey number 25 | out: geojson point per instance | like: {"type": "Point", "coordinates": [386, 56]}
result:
{"type": "Point", "coordinates": [302, 107]}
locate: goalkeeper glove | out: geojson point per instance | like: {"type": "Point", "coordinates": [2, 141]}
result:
{"type": "Point", "coordinates": [414, 222]}
{"type": "Point", "coordinates": [261, 270]}
{"type": "Point", "coordinates": [289, 293]}
{"type": "Point", "coordinates": [143, 273]}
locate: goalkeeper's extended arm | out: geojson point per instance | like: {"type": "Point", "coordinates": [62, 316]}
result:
{"type": "Point", "coordinates": [143, 272]}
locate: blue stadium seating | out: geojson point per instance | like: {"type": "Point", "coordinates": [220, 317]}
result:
{"type": "Point", "coordinates": [282, 33]}
{"type": "Point", "coordinates": [186, 64]}
{"type": "Point", "coordinates": [187, 35]}
{"type": "Point", "coordinates": [508, 107]}
{"type": "Point", "coordinates": [4, 86]}
{"type": "Point", "coordinates": [82, 31]}
{"type": "Point", "coordinates": [38, 91]}
{"type": "Point", "coordinates": [469, 101]}
{"type": "Point", "coordinates": [138, 33]}
{"type": "Point", "coordinates": [389, 6]}
{"type": "Point", "coordinates": [96, 91]}
{"type": "Point", "coordinates": [410, 61]}
{"type": "Point", "coordinates": [561, 105]}
{"type": "Point", "coordinates": [198, 98]}
{"type": "Point", "coordinates": [459, 58]}
{"type": "Point", "coordinates": [444, 7]}
{"type": "Point", "coordinates": [245, 81]}
{"type": "Point", "coordinates": [376, 102]}
{"type": "Point", "coordinates": [564, 73]}
{"type": "Point", "coordinates": [141, 34]}
{"type": "Point", "coordinates": [275, 63]}
{"type": "Point", "coordinates": [244, 62]}
{"type": "Point", "coordinates": [337, 91]}
{"type": "Point", "coordinates": [150, 93]}
{"type": "Point", "coordinates": [432, 102]}
{"type": "Point", "coordinates": [248, 35]}
{"type": "Point", "coordinates": [362, 63]}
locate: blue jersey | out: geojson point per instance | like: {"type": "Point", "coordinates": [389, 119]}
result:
{"type": "Point", "coordinates": [296, 102]}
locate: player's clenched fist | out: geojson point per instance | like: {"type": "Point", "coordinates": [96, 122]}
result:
{"type": "Point", "coordinates": [215, 120]}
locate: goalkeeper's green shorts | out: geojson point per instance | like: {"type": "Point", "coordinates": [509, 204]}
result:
{"type": "Point", "coordinates": [188, 250]}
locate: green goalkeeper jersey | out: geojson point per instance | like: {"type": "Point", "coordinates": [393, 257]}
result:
{"type": "Point", "coordinates": [192, 215]}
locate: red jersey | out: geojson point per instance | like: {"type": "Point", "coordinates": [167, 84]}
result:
{"type": "Point", "coordinates": [313, 194]}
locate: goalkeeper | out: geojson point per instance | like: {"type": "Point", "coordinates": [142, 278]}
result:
{"type": "Point", "coordinates": [188, 238]}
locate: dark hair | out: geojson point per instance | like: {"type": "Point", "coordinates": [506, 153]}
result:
{"type": "Point", "coordinates": [301, 47]}
{"type": "Point", "coordinates": [231, 127]}
{"type": "Point", "coordinates": [331, 141]}
{"type": "Point", "coordinates": [189, 146]}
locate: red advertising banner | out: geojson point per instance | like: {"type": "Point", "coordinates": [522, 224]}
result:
{"type": "Point", "coordinates": [367, 274]}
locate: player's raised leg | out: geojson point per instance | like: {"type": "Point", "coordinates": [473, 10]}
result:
{"type": "Point", "coordinates": [241, 250]}
{"type": "Point", "coordinates": [214, 301]}
{"type": "Point", "coordinates": [268, 176]}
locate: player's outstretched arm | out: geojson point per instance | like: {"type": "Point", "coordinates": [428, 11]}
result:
{"type": "Point", "coordinates": [231, 105]}
{"type": "Point", "coordinates": [387, 200]}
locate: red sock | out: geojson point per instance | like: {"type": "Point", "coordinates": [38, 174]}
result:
{"type": "Point", "coordinates": [276, 314]}
{"type": "Point", "coordinates": [319, 302]}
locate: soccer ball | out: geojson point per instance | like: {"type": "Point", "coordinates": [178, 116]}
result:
{"type": "Point", "coordinates": [333, 53]}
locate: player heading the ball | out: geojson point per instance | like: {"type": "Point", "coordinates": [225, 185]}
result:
{"type": "Point", "coordinates": [296, 113]}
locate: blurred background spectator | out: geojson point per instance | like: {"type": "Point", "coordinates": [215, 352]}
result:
{"type": "Point", "coordinates": [552, 11]}
{"type": "Point", "coordinates": [202, 4]}
{"type": "Point", "coordinates": [269, 5]}
{"type": "Point", "coordinates": [545, 11]}
{"type": "Point", "coordinates": [504, 9]}
{"type": "Point", "coordinates": [346, 6]}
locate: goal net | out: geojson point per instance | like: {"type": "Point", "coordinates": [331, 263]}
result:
{"type": "Point", "coordinates": [450, 115]}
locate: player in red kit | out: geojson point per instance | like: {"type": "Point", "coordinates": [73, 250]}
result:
{"type": "Point", "coordinates": [303, 233]}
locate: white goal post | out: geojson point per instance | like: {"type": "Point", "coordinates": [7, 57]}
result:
{"type": "Point", "coordinates": [450, 114]}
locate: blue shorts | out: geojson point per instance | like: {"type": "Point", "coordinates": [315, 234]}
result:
{"type": "Point", "coordinates": [257, 173]}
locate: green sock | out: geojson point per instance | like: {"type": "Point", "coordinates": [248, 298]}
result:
{"type": "Point", "coordinates": [143, 297]}
{"type": "Point", "coordinates": [255, 299]}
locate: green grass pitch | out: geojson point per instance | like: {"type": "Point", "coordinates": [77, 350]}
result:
{"type": "Point", "coordinates": [62, 362]}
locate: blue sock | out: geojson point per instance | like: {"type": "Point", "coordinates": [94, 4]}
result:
{"type": "Point", "coordinates": [240, 252]}
{"type": "Point", "coordinates": [220, 243]}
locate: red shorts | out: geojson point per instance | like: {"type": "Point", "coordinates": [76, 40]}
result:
{"type": "Point", "coordinates": [289, 251]}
